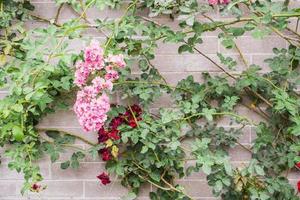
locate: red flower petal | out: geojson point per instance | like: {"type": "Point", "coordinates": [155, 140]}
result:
{"type": "Point", "coordinates": [102, 135]}
{"type": "Point", "coordinates": [104, 178]}
{"type": "Point", "coordinates": [105, 154]}
{"type": "Point", "coordinates": [132, 123]}
{"type": "Point", "coordinates": [114, 134]}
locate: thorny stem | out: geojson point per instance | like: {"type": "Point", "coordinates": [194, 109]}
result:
{"type": "Point", "coordinates": [58, 13]}
{"type": "Point", "coordinates": [151, 82]}
{"type": "Point", "coordinates": [173, 188]}
{"type": "Point", "coordinates": [89, 23]}
{"type": "Point", "coordinates": [221, 113]}
{"type": "Point", "coordinates": [63, 37]}
{"type": "Point", "coordinates": [170, 186]}
{"type": "Point", "coordinates": [68, 133]}
{"type": "Point", "coordinates": [261, 113]}
{"type": "Point", "coordinates": [44, 20]}
{"type": "Point", "coordinates": [134, 117]}
{"type": "Point", "coordinates": [219, 66]}
{"type": "Point", "coordinates": [65, 145]}
{"type": "Point", "coordinates": [287, 38]}
{"type": "Point", "coordinates": [233, 77]}
{"type": "Point", "coordinates": [244, 147]}
{"type": "Point", "coordinates": [236, 46]}
{"type": "Point", "coordinates": [72, 29]}
{"type": "Point", "coordinates": [121, 19]}
{"type": "Point", "coordinates": [149, 63]}
{"type": "Point", "coordinates": [156, 185]}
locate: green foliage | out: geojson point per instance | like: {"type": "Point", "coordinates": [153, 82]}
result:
{"type": "Point", "coordinates": [39, 77]}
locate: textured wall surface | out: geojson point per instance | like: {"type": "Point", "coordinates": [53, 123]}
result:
{"type": "Point", "coordinates": [82, 184]}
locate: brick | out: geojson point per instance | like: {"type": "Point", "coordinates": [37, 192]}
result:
{"type": "Point", "coordinates": [199, 63]}
{"type": "Point", "coordinates": [239, 154]}
{"type": "Point", "coordinates": [294, 174]}
{"type": "Point", "coordinates": [81, 184]}
{"type": "Point", "coordinates": [249, 45]}
{"type": "Point", "coordinates": [209, 45]}
{"type": "Point", "coordinates": [85, 171]}
{"type": "Point", "coordinates": [8, 189]}
{"type": "Point", "coordinates": [91, 136]}
{"type": "Point", "coordinates": [164, 101]}
{"type": "Point", "coordinates": [60, 189]}
{"type": "Point", "coordinates": [95, 189]}
{"type": "Point", "coordinates": [8, 174]}
{"type": "Point", "coordinates": [259, 59]}
{"type": "Point", "coordinates": [194, 175]}
{"type": "Point", "coordinates": [196, 188]}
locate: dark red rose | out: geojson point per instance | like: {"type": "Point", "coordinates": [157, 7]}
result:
{"type": "Point", "coordinates": [114, 134]}
{"type": "Point", "coordinates": [298, 186]}
{"type": "Point", "coordinates": [297, 165]}
{"type": "Point", "coordinates": [116, 122]}
{"type": "Point", "coordinates": [132, 123]}
{"type": "Point", "coordinates": [102, 135]}
{"type": "Point", "coordinates": [35, 187]}
{"type": "Point", "coordinates": [104, 178]}
{"type": "Point", "coordinates": [105, 154]}
{"type": "Point", "coordinates": [127, 113]}
{"type": "Point", "coordinates": [136, 109]}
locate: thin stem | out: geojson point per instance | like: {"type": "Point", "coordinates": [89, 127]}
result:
{"type": "Point", "coordinates": [225, 71]}
{"type": "Point", "coordinates": [221, 113]}
{"type": "Point", "coordinates": [244, 147]}
{"type": "Point", "coordinates": [270, 82]}
{"type": "Point", "coordinates": [151, 82]}
{"type": "Point", "coordinates": [212, 61]}
{"type": "Point", "coordinates": [149, 63]}
{"type": "Point", "coordinates": [44, 20]}
{"type": "Point", "coordinates": [89, 23]}
{"type": "Point", "coordinates": [156, 185]}
{"type": "Point", "coordinates": [261, 113]}
{"type": "Point", "coordinates": [175, 189]}
{"type": "Point", "coordinates": [68, 133]}
{"type": "Point", "coordinates": [134, 117]}
{"type": "Point", "coordinates": [121, 19]}
{"type": "Point", "coordinates": [297, 24]}
{"type": "Point", "coordinates": [287, 38]}
{"type": "Point", "coordinates": [236, 46]}
{"type": "Point", "coordinates": [58, 13]}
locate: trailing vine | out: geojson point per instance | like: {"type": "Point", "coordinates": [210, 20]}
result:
{"type": "Point", "coordinates": [140, 145]}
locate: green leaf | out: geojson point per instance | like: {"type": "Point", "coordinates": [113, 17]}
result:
{"type": "Point", "coordinates": [65, 165]}
{"type": "Point", "coordinates": [206, 169]}
{"type": "Point", "coordinates": [208, 113]}
{"type": "Point", "coordinates": [18, 133]}
{"type": "Point", "coordinates": [168, 115]}
{"type": "Point", "coordinates": [259, 170]}
{"type": "Point", "coordinates": [130, 196]}
{"type": "Point", "coordinates": [52, 134]}
{"type": "Point", "coordinates": [185, 48]}
{"type": "Point", "coordinates": [144, 149]}
{"type": "Point", "coordinates": [17, 107]}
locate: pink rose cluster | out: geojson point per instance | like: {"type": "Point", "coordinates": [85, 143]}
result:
{"type": "Point", "coordinates": [95, 76]}
{"type": "Point", "coordinates": [216, 2]}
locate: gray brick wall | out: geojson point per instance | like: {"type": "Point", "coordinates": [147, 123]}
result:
{"type": "Point", "coordinates": [82, 184]}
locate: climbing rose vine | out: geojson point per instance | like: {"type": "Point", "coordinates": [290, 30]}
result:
{"type": "Point", "coordinates": [141, 140]}
{"type": "Point", "coordinates": [95, 77]}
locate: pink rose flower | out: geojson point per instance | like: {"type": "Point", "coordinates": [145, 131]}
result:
{"type": "Point", "coordinates": [92, 103]}
{"type": "Point", "coordinates": [81, 74]}
{"type": "Point", "coordinates": [93, 56]}
{"type": "Point", "coordinates": [111, 75]}
{"type": "Point", "coordinates": [117, 60]}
